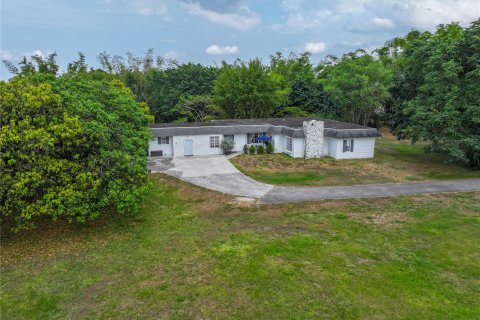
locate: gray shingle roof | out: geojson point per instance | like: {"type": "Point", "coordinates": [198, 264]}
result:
{"type": "Point", "coordinates": [289, 126]}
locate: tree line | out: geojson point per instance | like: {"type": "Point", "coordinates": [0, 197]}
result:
{"type": "Point", "coordinates": [73, 144]}
{"type": "Point", "coordinates": [424, 86]}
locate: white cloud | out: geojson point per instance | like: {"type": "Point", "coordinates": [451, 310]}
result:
{"type": "Point", "coordinates": [9, 55]}
{"type": "Point", "coordinates": [234, 20]}
{"type": "Point", "coordinates": [303, 15]}
{"type": "Point", "coordinates": [429, 13]}
{"type": "Point", "coordinates": [216, 49]}
{"type": "Point", "coordinates": [150, 7]}
{"type": "Point", "coordinates": [310, 20]}
{"type": "Point", "coordinates": [35, 52]}
{"type": "Point", "coordinates": [174, 55]}
{"type": "Point", "coordinates": [315, 47]}
{"type": "Point", "coordinates": [383, 22]}
{"type": "Point", "coordinates": [6, 55]}
{"type": "Point", "coordinates": [353, 6]}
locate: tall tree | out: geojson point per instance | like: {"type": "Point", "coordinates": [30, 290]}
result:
{"type": "Point", "coordinates": [69, 147]}
{"type": "Point", "coordinates": [304, 91]}
{"type": "Point", "coordinates": [308, 95]}
{"type": "Point", "coordinates": [248, 90]}
{"type": "Point", "coordinates": [168, 86]}
{"type": "Point", "coordinates": [198, 109]}
{"type": "Point", "coordinates": [441, 73]}
{"type": "Point", "coordinates": [357, 84]}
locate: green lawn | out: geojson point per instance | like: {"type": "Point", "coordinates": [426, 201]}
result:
{"type": "Point", "coordinates": [193, 253]}
{"type": "Point", "coordinates": [394, 161]}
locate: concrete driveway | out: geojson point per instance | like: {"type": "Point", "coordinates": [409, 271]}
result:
{"type": "Point", "coordinates": [219, 174]}
{"type": "Point", "coordinates": [212, 172]}
{"type": "Point", "coordinates": [301, 194]}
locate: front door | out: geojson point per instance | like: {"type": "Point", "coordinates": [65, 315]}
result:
{"type": "Point", "coordinates": [188, 147]}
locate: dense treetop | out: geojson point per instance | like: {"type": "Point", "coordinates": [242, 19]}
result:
{"type": "Point", "coordinates": [71, 148]}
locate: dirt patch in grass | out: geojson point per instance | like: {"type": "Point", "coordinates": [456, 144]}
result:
{"type": "Point", "coordinates": [390, 220]}
{"type": "Point", "coordinates": [50, 238]}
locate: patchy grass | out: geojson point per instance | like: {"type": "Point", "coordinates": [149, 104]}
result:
{"type": "Point", "coordinates": [290, 178]}
{"type": "Point", "coordinates": [395, 161]}
{"type": "Point", "coordinates": [194, 253]}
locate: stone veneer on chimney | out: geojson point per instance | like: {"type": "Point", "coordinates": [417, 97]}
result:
{"type": "Point", "coordinates": [313, 138]}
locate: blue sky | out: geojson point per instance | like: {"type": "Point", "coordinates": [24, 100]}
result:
{"type": "Point", "coordinates": [209, 31]}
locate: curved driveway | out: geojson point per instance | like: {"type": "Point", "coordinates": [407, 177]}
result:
{"type": "Point", "coordinates": [219, 174]}
{"type": "Point", "coordinates": [212, 172]}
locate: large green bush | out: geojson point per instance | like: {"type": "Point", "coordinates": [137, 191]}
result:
{"type": "Point", "coordinates": [70, 148]}
{"type": "Point", "coordinates": [227, 146]}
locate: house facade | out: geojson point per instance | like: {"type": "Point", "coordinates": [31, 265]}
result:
{"type": "Point", "coordinates": [297, 137]}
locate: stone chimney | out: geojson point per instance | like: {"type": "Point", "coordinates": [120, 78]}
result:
{"type": "Point", "coordinates": [313, 130]}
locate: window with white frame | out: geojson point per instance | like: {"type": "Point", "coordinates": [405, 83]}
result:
{"type": "Point", "coordinates": [288, 144]}
{"type": "Point", "coordinates": [348, 145]}
{"type": "Point", "coordinates": [163, 140]}
{"type": "Point", "coordinates": [229, 137]}
{"type": "Point", "coordinates": [214, 142]}
{"type": "Point", "coordinates": [254, 138]}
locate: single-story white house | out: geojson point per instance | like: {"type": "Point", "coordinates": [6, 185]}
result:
{"type": "Point", "coordinates": [297, 137]}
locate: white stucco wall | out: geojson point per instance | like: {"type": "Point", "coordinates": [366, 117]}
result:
{"type": "Point", "coordinates": [332, 147]}
{"type": "Point", "coordinates": [240, 140]}
{"type": "Point", "coordinates": [278, 143]}
{"type": "Point", "coordinates": [298, 148]}
{"type": "Point", "coordinates": [363, 148]}
{"type": "Point", "coordinates": [166, 148]}
{"type": "Point", "coordinates": [326, 145]}
{"type": "Point", "coordinates": [201, 145]}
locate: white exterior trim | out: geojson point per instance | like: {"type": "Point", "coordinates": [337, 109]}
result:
{"type": "Point", "coordinates": [333, 147]}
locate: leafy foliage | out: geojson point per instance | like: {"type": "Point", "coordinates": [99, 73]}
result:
{"type": "Point", "coordinates": [269, 148]}
{"type": "Point", "coordinates": [167, 87]}
{"type": "Point", "coordinates": [227, 145]}
{"type": "Point", "coordinates": [248, 90]}
{"type": "Point", "coordinates": [308, 94]}
{"type": "Point", "coordinates": [198, 109]}
{"type": "Point", "coordinates": [252, 149]}
{"type": "Point", "coordinates": [436, 89]}
{"type": "Point", "coordinates": [70, 148]}
{"type": "Point", "coordinates": [292, 112]}
{"type": "Point", "coordinates": [260, 149]}
{"type": "Point", "coordinates": [159, 82]}
{"type": "Point", "coordinates": [304, 91]}
{"type": "Point", "coordinates": [358, 86]}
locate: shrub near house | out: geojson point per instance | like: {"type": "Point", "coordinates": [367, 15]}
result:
{"type": "Point", "coordinates": [227, 146]}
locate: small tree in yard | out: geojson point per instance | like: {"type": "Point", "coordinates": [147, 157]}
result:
{"type": "Point", "coordinates": [269, 148]}
{"type": "Point", "coordinates": [227, 146]}
{"type": "Point", "coordinates": [245, 149]}
{"type": "Point", "coordinates": [252, 149]}
{"type": "Point", "coordinates": [260, 149]}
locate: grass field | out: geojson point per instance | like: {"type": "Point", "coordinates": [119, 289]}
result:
{"type": "Point", "coordinates": [193, 253]}
{"type": "Point", "coordinates": [394, 161]}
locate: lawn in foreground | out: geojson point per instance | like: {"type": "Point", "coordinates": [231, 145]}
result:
{"type": "Point", "coordinates": [194, 253]}
{"type": "Point", "coordinates": [394, 161]}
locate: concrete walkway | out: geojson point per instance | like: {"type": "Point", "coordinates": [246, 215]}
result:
{"type": "Point", "coordinates": [219, 174]}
